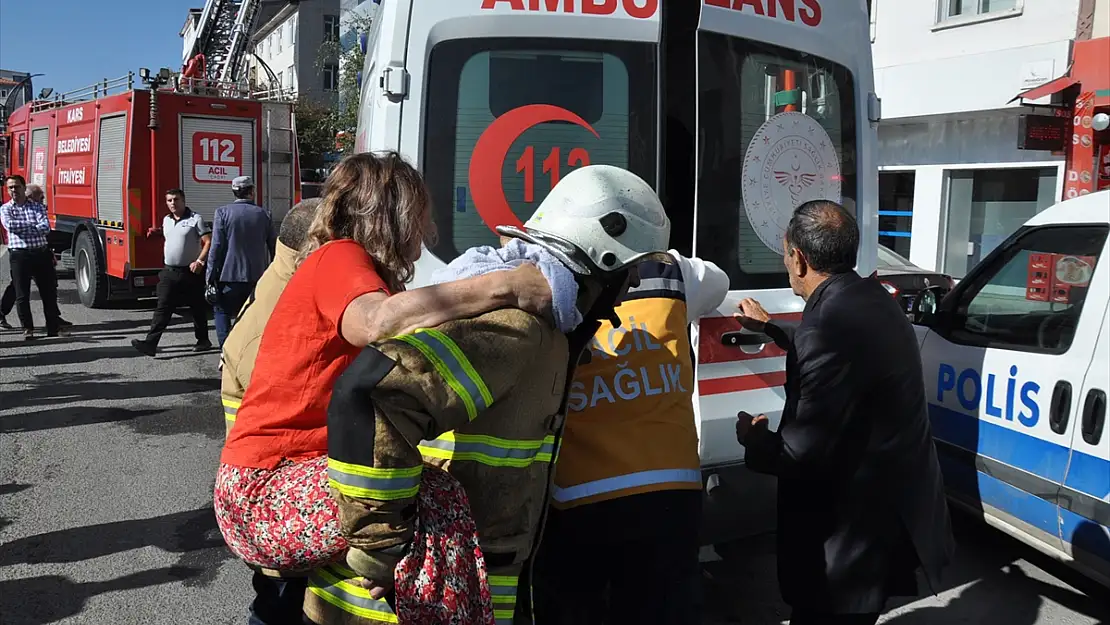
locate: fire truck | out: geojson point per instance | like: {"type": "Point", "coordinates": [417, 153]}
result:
{"type": "Point", "coordinates": [105, 155]}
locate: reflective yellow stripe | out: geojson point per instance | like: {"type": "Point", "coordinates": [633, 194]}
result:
{"type": "Point", "coordinates": [231, 409]}
{"type": "Point", "coordinates": [450, 362]}
{"type": "Point", "coordinates": [330, 584]}
{"type": "Point", "coordinates": [489, 450]}
{"type": "Point", "coordinates": [362, 482]}
{"type": "Point", "coordinates": [503, 591]}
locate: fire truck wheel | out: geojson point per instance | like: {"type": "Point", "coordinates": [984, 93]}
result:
{"type": "Point", "coordinates": [91, 278]}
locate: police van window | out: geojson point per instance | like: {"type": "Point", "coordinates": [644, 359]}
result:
{"type": "Point", "coordinates": [791, 117]}
{"type": "Point", "coordinates": [1031, 296]}
{"type": "Point", "coordinates": [471, 83]}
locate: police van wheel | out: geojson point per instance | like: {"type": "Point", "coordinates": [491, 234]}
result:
{"type": "Point", "coordinates": [89, 272]}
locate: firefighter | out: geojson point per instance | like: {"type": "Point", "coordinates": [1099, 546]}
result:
{"type": "Point", "coordinates": [628, 483]}
{"type": "Point", "coordinates": [483, 398]}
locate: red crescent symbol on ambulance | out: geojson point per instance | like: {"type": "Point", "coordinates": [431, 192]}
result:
{"type": "Point", "coordinates": [487, 161]}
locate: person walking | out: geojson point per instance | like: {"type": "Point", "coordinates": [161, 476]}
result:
{"type": "Point", "coordinates": [861, 502]}
{"type": "Point", "coordinates": [243, 239]}
{"type": "Point", "coordinates": [31, 257]}
{"type": "Point", "coordinates": [181, 281]}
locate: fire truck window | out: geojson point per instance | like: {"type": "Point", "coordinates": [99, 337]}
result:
{"type": "Point", "coordinates": [1031, 296]}
{"type": "Point", "coordinates": [23, 150]}
{"type": "Point", "coordinates": [806, 154]}
{"type": "Point", "coordinates": [472, 83]}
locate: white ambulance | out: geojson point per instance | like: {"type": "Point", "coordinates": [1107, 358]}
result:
{"type": "Point", "coordinates": [736, 111]}
{"type": "Point", "coordinates": [1017, 368]}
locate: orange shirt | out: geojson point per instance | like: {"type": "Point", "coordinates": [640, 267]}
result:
{"type": "Point", "coordinates": [300, 356]}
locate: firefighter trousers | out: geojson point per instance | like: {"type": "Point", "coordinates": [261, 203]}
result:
{"type": "Point", "coordinates": [631, 560]}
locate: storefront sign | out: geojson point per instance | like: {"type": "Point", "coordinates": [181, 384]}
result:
{"type": "Point", "coordinates": [1042, 132]}
{"type": "Point", "coordinates": [1081, 153]}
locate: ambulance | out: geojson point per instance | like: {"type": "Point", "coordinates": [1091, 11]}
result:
{"type": "Point", "coordinates": [1017, 369]}
{"type": "Point", "coordinates": [736, 111]}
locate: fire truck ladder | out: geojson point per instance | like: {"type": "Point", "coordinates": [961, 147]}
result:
{"type": "Point", "coordinates": [222, 36]}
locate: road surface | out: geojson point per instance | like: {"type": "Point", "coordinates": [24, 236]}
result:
{"type": "Point", "coordinates": [106, 470]}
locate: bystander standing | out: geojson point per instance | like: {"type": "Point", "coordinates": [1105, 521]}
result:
{"type": "Point", "coordinates": [181, 281]}
{"type": "Point", "coordinates": [31, 257]}
{"type": "Point", "coordinates": [243, 238]}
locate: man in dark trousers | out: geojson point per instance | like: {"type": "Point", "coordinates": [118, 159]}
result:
{"type": "Point", "coordinates": [861, 502]}
{"type": "Point", "coordinates": [243, 237]}
{"type": "Point", "coordinates": [181, 281]}
{"type": "Point", "coordinates": [27, 225]}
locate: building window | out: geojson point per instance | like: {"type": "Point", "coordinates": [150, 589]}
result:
{"type": "Point", "coordinates": [985, 206]}
{"type": "Point", "coordinates": [331, 28]}
{"type": "Point", "coordinates": [277, 41]}
{"type": "Point", "coordinates": [950, 9]}
{"type": "Point", "coordinates": [280, 80]}
{"type": "Point", "coordinates": [293, 30]}
{"type": "Point", "coordinates": [896, 210]}
{"type": "Point", "coordinates": [289, 78]}
{"type": "Point", "coordinates": [331, 77]}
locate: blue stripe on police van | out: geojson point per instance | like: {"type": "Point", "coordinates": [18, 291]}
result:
{"type": "Point", "coordinates": [1087, 474]}
{"type": "Point", "coordinates": [1082, 533]}
{"type": "Point", "coordinates": [621, 482]}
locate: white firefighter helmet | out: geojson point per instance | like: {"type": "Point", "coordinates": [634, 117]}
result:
{"type": "Point", "coordinates": [598, 218]}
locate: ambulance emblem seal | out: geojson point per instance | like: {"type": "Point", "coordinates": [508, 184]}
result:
{"type": "Point", "coordinates": [791, 160]}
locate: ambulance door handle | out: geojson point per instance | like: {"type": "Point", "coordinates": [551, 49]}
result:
{"type": "Point", "coordinates": [1094, 417]}
{"type": "Point", "coordinates": [1061, 407]}
{"type": "Point", "coordinates": [745, 339]}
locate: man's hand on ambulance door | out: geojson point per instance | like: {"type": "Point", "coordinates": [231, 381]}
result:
{"type": "Point", "coordinates": [745, 423]}
{"type": "Point", "coordinates": [530, 289]}
{"type": "Point", "coordinates": [752, 315]}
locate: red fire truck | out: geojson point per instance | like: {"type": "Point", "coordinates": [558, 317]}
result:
{"type": "Point", "coordinates": [106, 155]}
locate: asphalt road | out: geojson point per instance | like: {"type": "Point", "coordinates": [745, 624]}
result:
{"type": "Point", "coordinates": [106, 470]}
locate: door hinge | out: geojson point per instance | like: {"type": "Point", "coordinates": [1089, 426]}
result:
{"type": "Point", "coordinates": [874, 108]}
{"type": "Point", "coordinates": [394, 82]}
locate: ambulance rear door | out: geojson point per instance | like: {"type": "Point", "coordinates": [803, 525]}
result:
{"type": "Point", "coordinates": [779, 122]}
{"type": "Point", "coordinates": [386, 78]}
{"type": "Point", "coordinates": [514, 94]}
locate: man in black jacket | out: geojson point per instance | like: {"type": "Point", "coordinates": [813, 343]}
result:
{"type": "Point", "coordinates": [861, 502]}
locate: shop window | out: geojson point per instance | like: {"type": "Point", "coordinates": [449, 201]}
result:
{"type": "Point", "coordinates": [985, 206]}
{"type": "Point", "coordinates": [896, 210]}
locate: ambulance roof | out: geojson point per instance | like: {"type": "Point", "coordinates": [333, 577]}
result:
{"type": "Point", "coordinates": [1085, 209]}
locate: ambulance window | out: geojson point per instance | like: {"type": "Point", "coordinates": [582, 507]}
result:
{"type": "Point", "coordinates": [1030, 297]}
{"type": "Point", "coordinates": [809, 153]}
{"type": "Point", "coordinates": [471, 83]}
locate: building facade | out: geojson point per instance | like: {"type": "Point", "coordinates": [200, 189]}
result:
{"type": "Point", "coordinates": [953, 183]}
{"type": "Point", "coordinates": [287, 51]}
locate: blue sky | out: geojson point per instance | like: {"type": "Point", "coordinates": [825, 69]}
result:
{"type": "Point", "coordinates": [77, 42]}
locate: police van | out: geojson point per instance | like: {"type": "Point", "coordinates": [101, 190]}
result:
{"type": "Point", "coordinates": [736, 111]}
{"type": "Point", "coordinates": [1017, 369]}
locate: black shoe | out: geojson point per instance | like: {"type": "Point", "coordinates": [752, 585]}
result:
{"type": "Point", "coordinates": [28, 334]}
{"type": "Point", "coordinates": [202, 346]}
{"type": "Point", "coordinates": [63, 324]}
{"type": "Point", "coordinates": [143, 347]}
{"type": "Point", "coordinates": [4, 324]}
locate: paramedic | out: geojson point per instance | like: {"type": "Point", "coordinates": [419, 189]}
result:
{"type": "Point", "coordinates": [628, 481]}
{"type": "Point", "coordinates": [243, 239]}
{"type": "Point", "coordinates": [485, 395]}
{"type": "Point", "coordinates": [861, 502]}
{"type": "Point", "coordinates": [347, 292]}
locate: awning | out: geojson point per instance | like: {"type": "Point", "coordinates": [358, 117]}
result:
{"type": "Point", "coordinates": [1049, 88]}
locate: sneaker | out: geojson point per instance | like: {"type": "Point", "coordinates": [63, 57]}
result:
{"type": "Point", "coordinates": [202, 346]}
{"type": "Point", "coordinates": [28, 334]}
{"type": "Point", "coordinates": [4, 324]}
{"type": "Point", "coordinates": [143, 347]}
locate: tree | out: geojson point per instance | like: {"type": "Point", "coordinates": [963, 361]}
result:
{"type": "Point", "coordinates": [315, 132]}
{"type": "Point", "coordinates": [346, 54]}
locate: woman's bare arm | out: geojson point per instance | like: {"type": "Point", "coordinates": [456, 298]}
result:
{"type": "Point", "coordinates": [376, 316]}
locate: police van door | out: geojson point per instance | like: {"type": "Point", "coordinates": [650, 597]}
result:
{"type": "Point", "coordinates": [776, 128]}
{"type": "Point", "coordinates": [1004, 366]}
{"type": "Point", "coordinates": [1085, 495]}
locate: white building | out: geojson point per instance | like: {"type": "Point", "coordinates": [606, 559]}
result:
{"type": "Point", "coordinates": [952, 182]}
{"type": "Point", "coordinates": [288, 45]}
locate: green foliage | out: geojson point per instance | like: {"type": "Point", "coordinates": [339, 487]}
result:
{"type": "Point", "coordinates": [315, 132]}
{"type": "Point", "coordinates": [349, 60]}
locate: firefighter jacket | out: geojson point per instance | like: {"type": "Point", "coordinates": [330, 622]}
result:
{"type": "Point", "coordinates": [630, 421]}
{"type": "Point", "coordinates": [481, 398]}
{"type": "Point", "coordinates": [241, 347]}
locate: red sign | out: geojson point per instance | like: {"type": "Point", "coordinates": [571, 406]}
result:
{"type": "Point", "coordinates": [217, 157]}
{"type": "Point", "coordinates": [807, 12]}
{"type": "Point", "coordinates": [641, 9]}
{"type": "Point", "coordinates": [1081, 155]}
{"type": "Point", "coordinates": [488, 160]}
{"type": "Point", "coordinates": [1051, 277]}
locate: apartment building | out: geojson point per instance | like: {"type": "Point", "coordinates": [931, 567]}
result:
{"type": "Point", "coordinates": [953, 183]}
{"type": "Point", "coordinates": [287, 51]}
